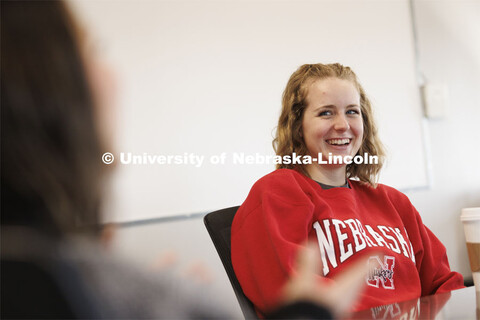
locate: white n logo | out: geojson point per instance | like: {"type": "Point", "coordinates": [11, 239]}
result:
{"type": "Point", "coordinates": [381, 272]}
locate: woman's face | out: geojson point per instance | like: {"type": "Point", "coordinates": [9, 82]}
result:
{"type": "Point", "coordinates": [332, 121]}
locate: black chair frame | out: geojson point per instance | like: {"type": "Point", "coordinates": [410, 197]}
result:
{"type": "Point", "coordinates": [218, 224]}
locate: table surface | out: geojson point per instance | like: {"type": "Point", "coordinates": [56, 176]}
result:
{"type": "Point", "coordinates": [457, 304]}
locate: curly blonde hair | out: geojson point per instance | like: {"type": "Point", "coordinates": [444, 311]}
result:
{"type": "Point", "coordinates": [289, 137]}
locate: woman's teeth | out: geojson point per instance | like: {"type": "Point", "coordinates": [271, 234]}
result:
{"type": "Point", "coordinates": [338, 141]}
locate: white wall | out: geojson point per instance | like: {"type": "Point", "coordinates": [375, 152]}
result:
{"type": "Point", "coordinates": [206, 78]}
{"type": "Point", "coordinates": [449, 47]}
{"type": "Point", "coordinates": [449, 54]}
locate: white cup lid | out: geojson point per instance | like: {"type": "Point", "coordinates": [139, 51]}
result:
{"type": "Point", "coordinates": [469, 214]}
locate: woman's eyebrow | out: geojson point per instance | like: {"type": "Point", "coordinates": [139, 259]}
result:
{"type": "Point", "coordinates": [328, 106]}
{"type": "Point", "coordinates": [332, 106]}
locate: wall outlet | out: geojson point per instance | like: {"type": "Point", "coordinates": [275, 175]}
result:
{"type": "Point", "coordinates": [435, 99]}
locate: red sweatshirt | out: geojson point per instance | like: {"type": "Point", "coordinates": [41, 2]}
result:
{"type": "Point", "coordinates": [285, 208]}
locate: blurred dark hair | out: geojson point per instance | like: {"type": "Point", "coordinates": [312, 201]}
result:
{"type": "Point", "coordinates": [51, 172]}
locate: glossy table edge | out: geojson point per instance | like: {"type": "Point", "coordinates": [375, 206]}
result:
{"type": "Point", "coordinates": [457, 304]}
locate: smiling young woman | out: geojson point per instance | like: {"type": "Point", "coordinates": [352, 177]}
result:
{"type": "Point", "coordinates": [341, 207]}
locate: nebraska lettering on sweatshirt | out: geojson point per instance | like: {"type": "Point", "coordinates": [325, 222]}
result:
{"type": "Point", "coordinates": [284, 209]}
{"type": "Point", "coordinates": [356, 239]}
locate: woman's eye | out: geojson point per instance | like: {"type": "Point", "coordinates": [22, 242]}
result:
{"type": "Point", "coordinates": [353, 111]}
{"type": "Point", "coordinates": [325, 113]}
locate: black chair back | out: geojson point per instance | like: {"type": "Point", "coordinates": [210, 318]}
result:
{"type": "Point", "coordinates": [219, 225]}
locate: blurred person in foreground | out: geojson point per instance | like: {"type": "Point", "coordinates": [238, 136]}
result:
{"type": "Point", "coordinates": [55, 97]}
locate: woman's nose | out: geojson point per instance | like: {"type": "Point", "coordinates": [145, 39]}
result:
{"type": "Point", "coordinates": [341, 123]}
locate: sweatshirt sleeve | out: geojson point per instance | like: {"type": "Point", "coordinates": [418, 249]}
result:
{"type": "Point", "coordinates": [430, 255]}
{"type": "Point", "coordinates": [267, 231]}
{"type": "Point", "coordinates": [433, 266]}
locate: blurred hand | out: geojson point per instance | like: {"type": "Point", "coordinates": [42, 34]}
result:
{"type": "Point", "coordinates": [337, 295]}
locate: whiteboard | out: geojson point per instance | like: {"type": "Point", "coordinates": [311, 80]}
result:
{"type": "Point", "coordinates": [205, 78]}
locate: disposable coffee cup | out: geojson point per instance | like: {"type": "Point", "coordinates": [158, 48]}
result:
{"type": "Point", "coordinates": [471, 224]}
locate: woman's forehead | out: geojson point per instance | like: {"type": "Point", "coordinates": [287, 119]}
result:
{"type": "Point", "coordinates": [332, 90]}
